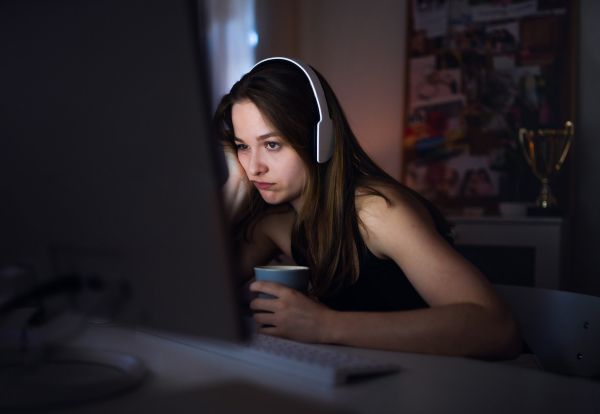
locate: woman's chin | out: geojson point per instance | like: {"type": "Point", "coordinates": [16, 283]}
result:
{"type": "Point", "coordinates": [269, 199]}
{"type": "Point", "coordinates": [274, 198]}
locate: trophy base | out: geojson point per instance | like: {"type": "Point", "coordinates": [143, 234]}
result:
{"type": "Point", "coordinates": [545, 212]}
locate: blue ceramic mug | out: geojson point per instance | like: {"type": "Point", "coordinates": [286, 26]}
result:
{"type": "Point", "coordinates": [296, 277]}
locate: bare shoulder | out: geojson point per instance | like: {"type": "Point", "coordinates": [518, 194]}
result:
{"type": "Point", "coordinates": [373, 208]}
{"type": "Point", "coordinates": [394, 216]}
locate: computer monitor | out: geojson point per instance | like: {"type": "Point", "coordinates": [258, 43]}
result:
{"type": "Point", "coordinates": [107, 162]}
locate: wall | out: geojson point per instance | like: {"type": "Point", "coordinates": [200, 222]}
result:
{"type": "Point", "coordinates": [277, 23]}
{"type": "Point", "coordinates": [359, 47]}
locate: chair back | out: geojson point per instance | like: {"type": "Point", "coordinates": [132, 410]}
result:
{"type": "Point", "coordinates": [562, 328]}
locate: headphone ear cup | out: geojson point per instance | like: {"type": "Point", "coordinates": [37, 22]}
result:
{"type": "Point", "coordinates": [315, 143]}
{"type": "Point", "coordinates": [324, 131]}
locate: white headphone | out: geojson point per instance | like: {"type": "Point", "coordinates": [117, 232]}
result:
{"type": "Point", "coordinates": [324, 128]}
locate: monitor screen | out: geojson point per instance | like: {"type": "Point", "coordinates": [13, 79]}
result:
{"type": "Point", "coordinates": [107, 162]}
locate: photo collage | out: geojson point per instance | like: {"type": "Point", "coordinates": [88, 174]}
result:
{"type": "Point", "coordinates": [478, 70]}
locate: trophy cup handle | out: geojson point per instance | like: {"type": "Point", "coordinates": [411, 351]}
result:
{"type": "Point", "coordinates": [569, 129]}
{"type": "Point", "coordinates": [522, 133]}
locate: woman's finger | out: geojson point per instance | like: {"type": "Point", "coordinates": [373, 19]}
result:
{"type": "Point", "coordinates": [270, 288]}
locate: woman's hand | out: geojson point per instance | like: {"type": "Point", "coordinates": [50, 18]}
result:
{"type": "Point", "coordinates": [291, 314]}
{"type": "Point", "coordinates": [237, 188]}
{"type": "Point", "coordinates": [234, 168]}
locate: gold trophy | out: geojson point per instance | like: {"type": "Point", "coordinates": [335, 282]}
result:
{"type": "Point", "coordinates": [545, 150]}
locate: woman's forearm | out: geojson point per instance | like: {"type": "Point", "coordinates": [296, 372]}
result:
{"type": "Point", "coordinates": [459, 329]}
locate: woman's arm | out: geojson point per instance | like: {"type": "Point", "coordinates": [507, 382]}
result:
{"type": "Point", "coordinates": [466, 316]}
{"type": "Point", "coordinates": [268, 236]}
{"type": "Point", "coordinates": [461, 329]}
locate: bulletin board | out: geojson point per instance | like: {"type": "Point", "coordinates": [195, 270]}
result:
{"type": "Point", "coordinates": [477, 71]}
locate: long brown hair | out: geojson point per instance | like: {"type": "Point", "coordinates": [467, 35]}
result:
{"type": "Point", "coordinates": [324, 231]}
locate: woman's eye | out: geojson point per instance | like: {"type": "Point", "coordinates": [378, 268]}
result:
{"type": "Point", "coordinates": [242, 146]}
{"type": "Point", "coordinates": [272, 145]}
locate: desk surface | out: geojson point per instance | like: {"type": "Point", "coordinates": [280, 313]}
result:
{"type": "Point", "coordinates": [499, 220]}
{"type": "Point", "coordinates": [184, 379]}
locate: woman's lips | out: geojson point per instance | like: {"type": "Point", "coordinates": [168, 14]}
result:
{"type": "Point", "coordinates": [262, 186]}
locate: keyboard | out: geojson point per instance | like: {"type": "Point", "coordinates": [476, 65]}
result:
{"type": "Point", "coordinates": [312, 362]}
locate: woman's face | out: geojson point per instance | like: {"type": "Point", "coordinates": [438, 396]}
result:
{"type": "Point", "coordinates": [271, 164]}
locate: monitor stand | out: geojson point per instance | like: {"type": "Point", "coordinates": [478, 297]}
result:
{"type": "Point", "coordinates": [67, 376]}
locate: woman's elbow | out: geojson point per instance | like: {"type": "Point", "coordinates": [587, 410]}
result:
{"type": "Point", "coordinates": [508, 338]}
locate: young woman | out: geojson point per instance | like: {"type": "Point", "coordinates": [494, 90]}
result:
{"type": "Point", "coordinates": [384, 273]}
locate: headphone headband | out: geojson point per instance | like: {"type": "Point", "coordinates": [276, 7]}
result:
{"type": "Point", "coordinates": [324, 128]}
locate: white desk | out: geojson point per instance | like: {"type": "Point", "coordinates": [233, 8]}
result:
{"type": "Point", "coordinates": [188, 380]}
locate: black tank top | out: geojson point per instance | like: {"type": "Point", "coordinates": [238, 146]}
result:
{"type": "Point", "coordinates": [381, 286]}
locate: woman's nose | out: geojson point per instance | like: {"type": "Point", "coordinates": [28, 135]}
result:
{"type": "Point", "coordinates": [256, 165]}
